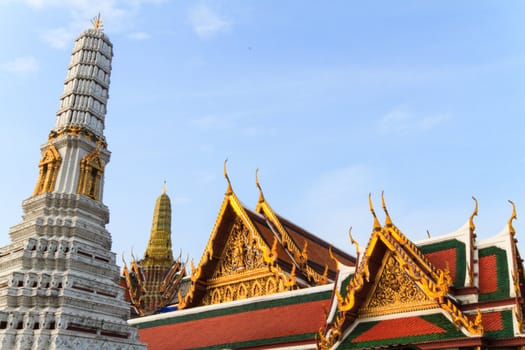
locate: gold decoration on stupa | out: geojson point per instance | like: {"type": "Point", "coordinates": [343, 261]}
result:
{"type": "Point", "coordinates": [97, 22]}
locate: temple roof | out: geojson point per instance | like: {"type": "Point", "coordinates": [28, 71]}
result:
{"type": "Point", "coordinates": [250, 248]}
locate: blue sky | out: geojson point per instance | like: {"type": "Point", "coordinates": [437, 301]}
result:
{"type": "Point", "coordinates": [330, 100]}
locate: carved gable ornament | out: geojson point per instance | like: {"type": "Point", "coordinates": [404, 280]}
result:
{"type": "Point", "coordinates": [241, 254]}
{"type": "Point", "coordinates": [394, 292]}
{"type": "Point", "coordinates": [241, 271]}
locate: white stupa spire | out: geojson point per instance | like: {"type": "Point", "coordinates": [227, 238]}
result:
{"type": "Point", "coordinates": [83, 101]}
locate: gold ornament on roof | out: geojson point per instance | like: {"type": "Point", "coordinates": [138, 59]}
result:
{"type": "Point", "coordinates": [261, 195]}
{"type": "Point", "coordinates": [377, 226]}
{"type": "Point", "coordinates": [229, 190]}
{"type": "Point", "coordinates": [388, 221]}
{"type": "Point", "coordinates": [353, 241]}
{"type": "Point", "coordinates": [97, 22]}
{"type": "Point", "coordinates": [513, 216]}
{"type": "Point", "coordinates": [474, 213]}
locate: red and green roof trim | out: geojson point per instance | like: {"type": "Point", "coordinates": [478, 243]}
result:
{"type": "Point", "coordinates": [459, 254]}
{"type": "Point", "coordinates": [402, 331]}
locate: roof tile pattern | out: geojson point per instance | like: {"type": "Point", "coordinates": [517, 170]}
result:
{"type": "Point", "coordinates": [399, 328]}
{"type": "Point", "coordinates": [275, 322]}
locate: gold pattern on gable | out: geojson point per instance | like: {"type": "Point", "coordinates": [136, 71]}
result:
{"type": "Point", "coordinates": [244, 289]}
{"type": "Point", "coordinates": [241, 254]}
{"type": "Point", "coordinates": [395, 292]}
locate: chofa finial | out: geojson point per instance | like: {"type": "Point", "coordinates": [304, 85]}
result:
{"type": "Point", "coordinates": [261, 195]}
{"type": "Point", "coordinates": [513, 216]}
{"type": "Point", "coordinates": [97, 22]}
{"type": "Point", "coordinates": [229, 190]}
{"type": "Point", "coordinates": [388, 221]}
{"type": "Point", "coordinates": [377, 226]}
{"type": "Point", "coordinates": [353, 241]}
{"type": "Point", "coordinates": [474, 213]}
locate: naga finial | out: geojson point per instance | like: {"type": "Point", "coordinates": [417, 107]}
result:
{"type": "Point", "coordinates": [474, 213]}
{"type": "Point", "coordinates": [353, 241]}
{"type": "Point", "coordinates": [97, 22]}
{"type": "Point", "coordinates": [428, 234]}
{"type": "Point", "coordinates": [388, 221]}
{"type": "Point", "coordinates": [261, 195]}
{"type": "Point", "coordinates": [513, 216]}
{"type": "Point", "coordinates": [377, 226]}
{"type": "Point", "coordinates": [229, 190]}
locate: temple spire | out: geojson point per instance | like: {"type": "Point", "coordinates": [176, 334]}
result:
{"type": "Point", "coordinates": [83, 101]}
{"type": "Point", "coordinates": [159, 251]}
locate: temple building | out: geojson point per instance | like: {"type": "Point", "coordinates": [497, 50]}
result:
{"type": "Point", "coordinates": [153, 282]}
{"type": "Point", "coordinates": [256, 288]}
{"type": "Point", "coordinates": [59, 282]}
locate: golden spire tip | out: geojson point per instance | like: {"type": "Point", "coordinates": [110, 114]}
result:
{"type": "Point", "coordinates": [164, 188]}
{"type": "Point", "coordinates": [97, 22]}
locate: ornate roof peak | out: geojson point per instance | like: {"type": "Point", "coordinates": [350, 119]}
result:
{"type": "Point", "coordinates": [513, 217]}
{"type": "Point", "coordinates": [377, 225]}
{"type": "Point", "coordinates": [229, 190]}
{"type": "Point", "coordinates": [261, 195]}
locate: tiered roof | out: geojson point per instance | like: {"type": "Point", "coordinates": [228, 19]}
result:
{"type": "Point", "coordinates": [451, 291]}
{"type": "Point", "coordinates": [254, 253]}
{"type": "Point", "coordinates": [446, 291]}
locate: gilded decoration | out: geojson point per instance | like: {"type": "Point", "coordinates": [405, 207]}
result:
{"type": "Point", "coordinates": [74, 130]}
{"type": "Point", "coordinates": [48, 170]}
{"type": "Point", "coordinates": [394, 292]}
{"type": "Point", "coordinates": [240, 255]}
{"type": "Point", "coordinates": [245, 289]}
{"type": "Point", "coordinates": [91, 171]}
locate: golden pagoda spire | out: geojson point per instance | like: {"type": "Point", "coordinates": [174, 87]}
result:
{"type": "Point", "coordinates": [159, 250]}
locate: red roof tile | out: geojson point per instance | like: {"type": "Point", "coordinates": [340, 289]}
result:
{"type": "Point", "coordinates": [440, 259]}
{"type": "Point", "coordinates": [398, 328]}
{"type": "Point", "coordinates": [267, 323]}
{"type": "Point", "coordinates": [488, 277]}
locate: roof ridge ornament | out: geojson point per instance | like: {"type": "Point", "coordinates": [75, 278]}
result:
{"type": "Point", "coordinates": [261, 195]}
{"type": "Point", "coordinates": [377, 225]}
{"type": "Point", "coordinates": [474, 213]}
{"type": "Point", "coordinates": [353, 241]}
{"type": "Point", "coordinates": [97, 22]}
{"type": "Point", "coordinates": [229, 190]}
{"type": "Point", "coordinates": [388, 221]}
{"type": "Point", "coordinates": [513, 216]}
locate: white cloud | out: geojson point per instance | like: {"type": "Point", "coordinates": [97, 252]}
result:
{"type": "Point", "coordinates": [119, 14]}
{"type": "Point", "coordinates": [139, 36]}
{"type": "Point", "coordinates": [404, 122]}
{"type": "Point", "coordinates": [206, 23]}
{"type": "Point", "coordinates": [24, 64]}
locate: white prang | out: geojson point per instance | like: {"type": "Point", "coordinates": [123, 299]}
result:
{"type": "Point", "coordinates": [59, 282]}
